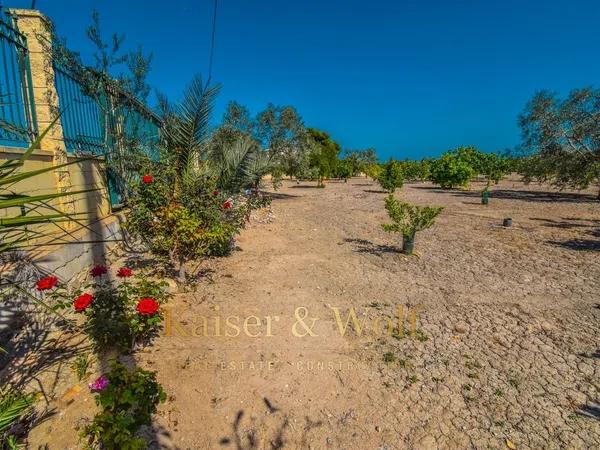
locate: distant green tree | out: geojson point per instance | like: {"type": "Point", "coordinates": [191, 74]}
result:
{"type": "Point", "coordinates": [324, 154]}
{"type": "Point", "coordinates": [391, 176]}
{"type": "Point", "coordinates": [344, 169]}
{"type": "Point", "coordinates": [416, 170]}
{"type": "Point", "coordinates": [494, 167]}
{"type": "Point", "coordinates": [281, 131]}
{"type": "Point", "coordinates": [450, 171]}
{"type": "Point", "coordinates": [563, 137]}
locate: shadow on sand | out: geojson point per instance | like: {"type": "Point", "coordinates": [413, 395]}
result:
{"type": "Point", "coordinates": [365, 246]}
{"type": "Point", "coordinates": [520, 195]}
{"type": "Point", "coordinates": [246, 438]}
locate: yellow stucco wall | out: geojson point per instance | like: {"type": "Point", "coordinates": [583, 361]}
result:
{"type": "Point", "coordinates": [79, 176]}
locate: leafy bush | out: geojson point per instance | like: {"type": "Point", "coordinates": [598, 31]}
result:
{"type": "Point", "coordinates": [450, 171]}
{"type": "Point", "coordinates": [407, 219]}
{"type": "Point", "coordinates": [197, 195]}
{"type": "Point", "coordinates": [344, 169]}
{"type": "Point", "coordinates": [200, 221]}
{"type": "Point", "coordinates": [13, 407]}
{"type": "Point", "coordinates": [127, 400]}
{"type": "Point", "coordinates": [494, 167]}
{"type": "Point", "coordinates": [416, 170]}
{"type": "Point", "coordinates": [391, 176]}
{"type": "Point", "coordinates": [114, 316]}
{"type": "Point", "coordinates": [323, 156]}
{"type": "Point", "coordinates": [373, 171]}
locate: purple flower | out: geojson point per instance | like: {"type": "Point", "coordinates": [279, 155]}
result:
{"type": "Point", "coordinates": [100, 384]}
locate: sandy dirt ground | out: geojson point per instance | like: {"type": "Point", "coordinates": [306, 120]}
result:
{"type": "Point", "coordinates": [505, 353]}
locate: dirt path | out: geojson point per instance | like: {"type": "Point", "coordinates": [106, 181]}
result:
{"type": "Point", "coordinates": [506, 348]}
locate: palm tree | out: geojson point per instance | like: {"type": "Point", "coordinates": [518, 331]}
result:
{"type": "Point", "coordinates": [185, 129]}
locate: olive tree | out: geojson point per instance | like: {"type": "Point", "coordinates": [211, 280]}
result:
{"type": "Point", "coordinates": [562, 138]}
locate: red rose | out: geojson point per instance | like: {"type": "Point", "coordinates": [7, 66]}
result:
{"type": "Point", "coordinates": [82, 302]}
{"type": "Point", "coordinates": [98, 271]}
{"type": "Point", "coordinates": [215, 193]}
{"type": "Point", "coordinates": [47, 283]}
{"type": "Point", "coordinates": [227, 204]}
{"type": "Point", "coordinates": [147, 179]}
{"type": "Point", "coordinates": [124, 272]}
{"type": "Point", "coordinates": [147, 306]}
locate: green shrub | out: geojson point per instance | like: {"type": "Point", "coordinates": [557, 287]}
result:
{"type": "Point", "coordinates": [344, 170]}
{"type": "Point", "coordinates": [416, 170]}
{"type": "Point", "coordinates": [201, 221]}
{"type": "Point", "coordinates": [450, 171]}
{"type": "Point", "coordinates": [116, 315]}
{"type": "Point", "coordinates": [13, 407]}
{"type": "Point", "coordinates": [407, 219]}
{"type": "Point", "coordinates": [127, 400]}
{"type": "Point", "coordinates": [391, 176]}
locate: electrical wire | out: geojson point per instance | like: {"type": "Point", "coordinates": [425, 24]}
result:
{"type": "Point", "coordinates": [212, 43]}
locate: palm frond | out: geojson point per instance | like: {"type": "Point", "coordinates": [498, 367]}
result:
{"type": "Point", "coordinates": [186, 131]}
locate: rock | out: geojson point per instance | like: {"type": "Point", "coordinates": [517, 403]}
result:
{"type": "Point", "coordinates": [547, 326]}
{"type": "Point", "coordinates": [461, 327]}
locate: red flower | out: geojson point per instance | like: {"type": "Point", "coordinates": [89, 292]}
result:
{"type": "Point", "coordinates": [215, 193]}
{"type": "Point", "coordinates": [147, 179]}
{"type": "Point", "coordinates": [227, 204]}
{"type": "Point", "coordinates": [47, 283]}
{"type": "Point", "coordinates": [98, 271]}
{"type": "Point", "coordinates": [82, 302]}
{"type": "Point", "coordinates": [124, 272]}
{"type": "Point", "coordinates": [147, 306]}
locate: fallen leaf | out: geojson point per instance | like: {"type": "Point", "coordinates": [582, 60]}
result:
{"type": "Point", "coordinates": [510, 444]}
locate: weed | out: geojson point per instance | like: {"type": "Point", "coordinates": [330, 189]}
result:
{"type": "Point", "coordinates": [389, 357]}
{"type": "Point", "coordinates": [81, 365]}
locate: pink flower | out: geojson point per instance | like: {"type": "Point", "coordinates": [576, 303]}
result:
{"type": "Point", "coordinates": [100, 384]}
{"type": "Point", "coordinates": [227, 204]}
{"type": "Point", "coordinates": [98, 271]}
{"type": "Point", "coordinates": [47, 283]}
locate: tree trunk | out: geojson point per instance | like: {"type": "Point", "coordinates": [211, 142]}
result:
{"type": "Point", "coordinates": [182, 272]}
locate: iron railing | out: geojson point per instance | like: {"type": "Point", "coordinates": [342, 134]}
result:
{"type": "Point", "coordinates": [96, 122]}
{"type": "Point", "coordinates": [17, 111]}
{"type": "Point", "coordinates": [82, 118]}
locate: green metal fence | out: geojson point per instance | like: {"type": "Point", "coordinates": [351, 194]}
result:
{"type": "Point", "coordinates": [17, 112]}
{"type": "Point", "coordinates": [106, 121]}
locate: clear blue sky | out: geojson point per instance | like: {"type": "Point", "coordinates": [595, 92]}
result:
{"type": "Point", "coordinates": [410, 78]}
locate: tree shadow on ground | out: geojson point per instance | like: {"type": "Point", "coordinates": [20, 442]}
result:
{"type": "Point", "coordinates": [591, 411]}
{"type": "Point", "coordinates": [592, 245]}
{"type": "Point", "coordinates": [375, 191]}
{"type": "Point", "coordinates": [305, 186]}
{"type": "Point", "coordinates": [581, 244]}
{"type": "Point", "coordinates": [246, 438]}
{"type": "Point", "coordinates": [152, 435]}
{"type": "Point", "coordinates": [566, 223]}
{"type": "Point", "coordinates": [282, 196]}
{"type": "Point", "coordinates": [365, 246]}
{"type": "Point", "coordinates": [517, 194]}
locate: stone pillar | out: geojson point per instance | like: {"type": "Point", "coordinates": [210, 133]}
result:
{"type": "Point", "coordinates": [37, 29]}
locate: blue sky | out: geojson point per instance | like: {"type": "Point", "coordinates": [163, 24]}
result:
{"type": "Point", "coordinates": [409, 78]}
